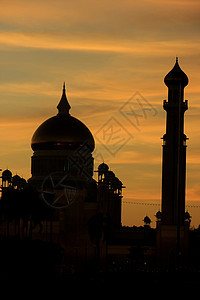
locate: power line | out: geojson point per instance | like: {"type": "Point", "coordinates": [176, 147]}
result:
{"type": "Point", "coordinates": [155, 204]}
{"type": "Point", "coordinates": [141, 203]}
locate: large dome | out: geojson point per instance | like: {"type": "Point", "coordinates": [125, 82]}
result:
{"type": "Point", "coordinates": [62, 131]}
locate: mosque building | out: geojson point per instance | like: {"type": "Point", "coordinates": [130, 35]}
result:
{"type": "Point", "coordinates": [84, 214]}
{"type": "Point", "coordinates": [62, 170]}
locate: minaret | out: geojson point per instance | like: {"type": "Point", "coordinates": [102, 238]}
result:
{"type": "Point", "coordinates": [173, 231]}
{"type": "Point", "coordinates": [174, 149]}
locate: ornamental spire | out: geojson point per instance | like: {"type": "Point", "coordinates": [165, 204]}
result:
{"type": "Point", "coordinates": [63, 106]}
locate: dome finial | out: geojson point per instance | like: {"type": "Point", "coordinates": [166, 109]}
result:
{"type": "Point", "coordinates": [63, 106]}
{"type": "Point", "coordinates": [176, 59]}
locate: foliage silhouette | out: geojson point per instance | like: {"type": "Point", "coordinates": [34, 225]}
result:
{"type": "Point", "coordinates": [23, 206]}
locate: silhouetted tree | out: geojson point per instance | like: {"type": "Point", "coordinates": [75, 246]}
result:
{"type": "Point", "coordinates": [10, 208]}
{"type": "Point", "coordinates": [25, 205]}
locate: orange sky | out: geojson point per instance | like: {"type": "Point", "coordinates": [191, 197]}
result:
{"type": "Point", "coordinates": [110, 54]}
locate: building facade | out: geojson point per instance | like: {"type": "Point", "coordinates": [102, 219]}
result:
{"type": "Point", "coordinates": [84, 210]}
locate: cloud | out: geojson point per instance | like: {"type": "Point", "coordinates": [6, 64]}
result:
{"type": "Point", "coordinates": [105, 51]}
{"type": "Point", "coordinates": [41, 88]}
{"type": "Point", "coordinates": [105, 12]}
{"type": "Point", "coordinates": [45, 41]}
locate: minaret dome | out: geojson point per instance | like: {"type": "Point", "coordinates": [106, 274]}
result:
{"type": "Point", "coordinates": [175, 76]}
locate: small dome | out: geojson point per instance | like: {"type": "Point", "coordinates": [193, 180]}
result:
{"type": "Point", "coordinates": [111, 175]}
{"type": "Point", "coordinates": [147, 220]}
{"type": "Point", "coordinates": [176, 75]}
{"type": "Point", "coordinates": [16, 180]}
{"type": "Point", "coordinates": [117, 184]}
{"type": "Point", "coordinates": [103, 167]}
{"type": "Point", "coordinates": [62, 131]}
{"type": "Point", "coordinates": [158, 215]}
{"type": "Point", "coordinates": [7, 174]}
{"type": "Point", "coordinates": [16, 177]}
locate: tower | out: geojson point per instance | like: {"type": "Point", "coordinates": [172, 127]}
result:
{"type": "Point", "coordinates": [172, 232]}
{"type": "Point", "coordinates": [174, 149]}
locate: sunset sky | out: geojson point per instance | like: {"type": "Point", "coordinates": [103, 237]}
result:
{"type": "Point", "coordinates": [113, 56]}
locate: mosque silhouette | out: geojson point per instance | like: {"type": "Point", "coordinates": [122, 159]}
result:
{"type": "Point", "coordinates": [63, 215]}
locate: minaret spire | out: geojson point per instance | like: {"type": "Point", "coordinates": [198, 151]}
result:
{"type": "Point", "coordinates": [63, 106]}
{"type": "Point", "coordinates": [64, 89]}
